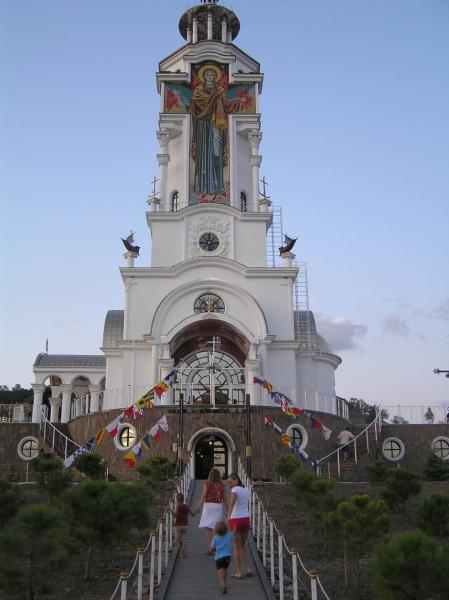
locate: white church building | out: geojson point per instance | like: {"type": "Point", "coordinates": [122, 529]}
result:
{"type": "Point", "coordinates": [214, 303]}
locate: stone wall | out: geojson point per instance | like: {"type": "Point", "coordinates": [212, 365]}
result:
{"type": "Point", "coordinates": [266, 446]}
{"type": "Point", "coordinates": [417, 440]}
{"type": "Point", "coordinates": [11, 464]}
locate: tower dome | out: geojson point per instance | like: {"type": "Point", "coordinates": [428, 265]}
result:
{"type": "Point", "coordinates": [209, 21]}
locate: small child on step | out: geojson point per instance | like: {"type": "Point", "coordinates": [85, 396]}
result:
{"type": "Point", "coordinates": [181, 515]}
{"type": "Point", "coordinates": [221, 546]}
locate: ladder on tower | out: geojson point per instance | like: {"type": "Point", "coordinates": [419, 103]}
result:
{"type": "Point", "coordinates": [303, 328]}
{"type": "Point", "coordinates": [275, 237]}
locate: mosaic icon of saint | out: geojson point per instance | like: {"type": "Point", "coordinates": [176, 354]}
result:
{"type": "Point", "coordinates": [209, 109]}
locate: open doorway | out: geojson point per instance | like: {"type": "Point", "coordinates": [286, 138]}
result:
{"type": "Point", "coordinates": [211, 450]}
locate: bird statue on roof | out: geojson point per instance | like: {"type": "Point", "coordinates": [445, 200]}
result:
{"type": "Point", "coordinates": [288, 245]}
{"type": "Point", "coordinates": [128, 243]}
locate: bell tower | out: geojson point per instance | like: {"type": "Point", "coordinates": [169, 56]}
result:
{"type": "Point", "coordinates": [209, 135]}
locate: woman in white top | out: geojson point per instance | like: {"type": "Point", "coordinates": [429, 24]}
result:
{"type": "Point", "coordinates": [239, 523]}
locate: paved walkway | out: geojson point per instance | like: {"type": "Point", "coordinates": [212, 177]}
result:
{"type": "Point", "coordinates": [195, 577]}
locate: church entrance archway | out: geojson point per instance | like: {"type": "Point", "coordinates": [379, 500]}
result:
{"type": "Point", "coordinates": [211, 451]}
{"type": "Point", "coordinates": [211, 447]}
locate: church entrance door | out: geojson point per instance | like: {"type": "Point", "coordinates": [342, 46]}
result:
{"type": "Point", "coordinates": [210, 451]}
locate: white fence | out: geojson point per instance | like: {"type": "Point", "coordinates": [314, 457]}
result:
{"type": "Point", "coordinates": [15, 413]}
{"type": "Point", "coordinates": [286, 571]}
{"type": "Point", "coordinates": [429, 415]}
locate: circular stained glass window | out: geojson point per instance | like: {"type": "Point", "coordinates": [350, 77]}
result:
{"type": "Point", "coordinates": [209, 303]}
{"type": "Point", "coordinates": [126, 436]}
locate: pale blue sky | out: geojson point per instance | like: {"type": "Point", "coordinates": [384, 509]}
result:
{"type": "Point", "coordinates": [355, 117]}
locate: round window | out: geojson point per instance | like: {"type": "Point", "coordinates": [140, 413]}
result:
{"type": "Point", "coordinates": [298, 435]}
{"type": "Point", "coordinates": [393, 449]}
{"type": "Point", "coordinates": [28, 448]}
{"type": "Point", "coordinates": [126, 436]}
{"type": "Point", "coordinates": [440, 447]}
{"type": "Point", "coordinates": [208, 303]}
{"type": "Point", "coordinates": [209, 242]}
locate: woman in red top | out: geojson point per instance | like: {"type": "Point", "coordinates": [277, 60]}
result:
{"type": "Point", "coordinates": [214, 503]}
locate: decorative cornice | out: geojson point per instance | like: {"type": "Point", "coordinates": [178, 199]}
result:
{"type": "Point", "coordinates": [174, 271]}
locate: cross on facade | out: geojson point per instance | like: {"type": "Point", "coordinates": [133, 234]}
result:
{"type": "Point", "coordinates": [153, 183]}
{"type": "Point", "coordinates": [264, 182]}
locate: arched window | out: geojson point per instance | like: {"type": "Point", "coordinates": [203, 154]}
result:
{"type": "Point", "coordinates": [243, 202]}
{"type": "Point", "coordinates": [174, 201]}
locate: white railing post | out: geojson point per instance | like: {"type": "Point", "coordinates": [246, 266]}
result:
{"type": "Point", "coordinates": [338, 463]}
{"type": "Point", "coordinates": [258, 536]}
{"type": "Point", "coordinates": [152, 557]}
{"type": "Point", "coordinates": [313, 585]}
{"type": "Point", "coordinates": [294, 573]}
{"type": "Point", "coordinates": [123, 585]}
{"type": "Point", "coordinates": [264, 538]}
{"type": "Point", "coordinates": [65, 448]}
{"type": "Point", "coordinates": [166, 528]}
{"type": "Point", "coordinates": [375, 429]}
{"type": "Point", "coordinates": [159, 552]}
{"type": "Point", "coordinates": [281, 565]}
{"type": "Point", "coordinates": [53, 440]}
{"type": "Point", "coordinates": [272, 576]}
{"type": "Point", "coordinates": [253, 511]}
{"type": "Point", "coordinates": [170, 523]}
{"type": "Point", "coordinates": [355, 450]}
{"type": "Point", "coordinates": [367, 441]}
{"type": "Point", "coordinates": [140, 573]}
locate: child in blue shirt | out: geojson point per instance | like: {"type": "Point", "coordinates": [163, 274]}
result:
{"type": "Point", "coordinates": [221, 546]}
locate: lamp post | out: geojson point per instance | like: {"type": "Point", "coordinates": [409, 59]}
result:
{"type": "Point", "coordinates": [248, 449]}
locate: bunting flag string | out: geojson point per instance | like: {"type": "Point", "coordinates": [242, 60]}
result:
{"type": "Point", "coordinates": [141, 406]}
{"type": "Point", "coordinates": [87, 448]}
{"type": "Point", "coordinates": [286, 440]}
{"type": "Point", "coordinates": [292, 411]}
{"type": "Point", "coordinates": [130, 458]}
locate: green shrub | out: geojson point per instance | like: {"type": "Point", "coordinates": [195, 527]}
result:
{"type": "Point", "coordinates": [377, 471]}
{"type": "Point", "coordinates": [51, 476]}
{"type": "Point", "coordinates": [399, 486]}
{"type": "Point", "coordinates": [11, 499]}
{"type": "Point", "coordinates": [437, 469]}
{"type": "Point", "coordinates": [91, 465]}
{"type": "Point", "coordinates": [32, 548]}
{"type": "Point", "coordinates": [286, 465]}
{"type": "Point", "coordinates": [432, 515]}
{"type": "Point", "coordinates": [410, 566]}
{"type": "Point", "coordinates": [156, 468]}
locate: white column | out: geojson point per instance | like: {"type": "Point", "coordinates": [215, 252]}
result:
{"type": "Point", "coordinates": [94, 398]}
{"type": "Point", "coordinates": [163, 158]}
{"type": "Point", "coordinates": [255, 159]}
{"type": "Point", "coordinates": [189, 35]}
{"type": "Point", "coordinates": [166, 367]}
{"type": "Point", "coordinates": [130, 256]}
{"type": "Point", "coordinates": [224, 31]}
{"type": "Point", "coordinates": [38, 390]}
{"type": "Point", "coordinates": [194, 30]}
{"type": "Point", "coordinates": [209, 25]}
{"type": "Point", "coordinates": [66, 400]}
{"type": "Point", "coordinates": [55, 404]}
{"type": "Point", "coordinates": [287, 259]}
{"type": "Point", "coordinates": [253, 389]}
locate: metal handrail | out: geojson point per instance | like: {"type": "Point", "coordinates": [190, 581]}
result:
{"type": "Point", "coordinates": [266, 546]}
{"type": "Point", "coordinates": [46, 426]}
{"type": "Point", "coordinates": [377, 422]}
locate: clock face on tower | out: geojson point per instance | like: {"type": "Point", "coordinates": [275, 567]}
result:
{"type": "Point", "coordinates": [209, 242]}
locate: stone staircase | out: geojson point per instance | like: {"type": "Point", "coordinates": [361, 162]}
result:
{"type": "Point", "coordinates": [367, 448]}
